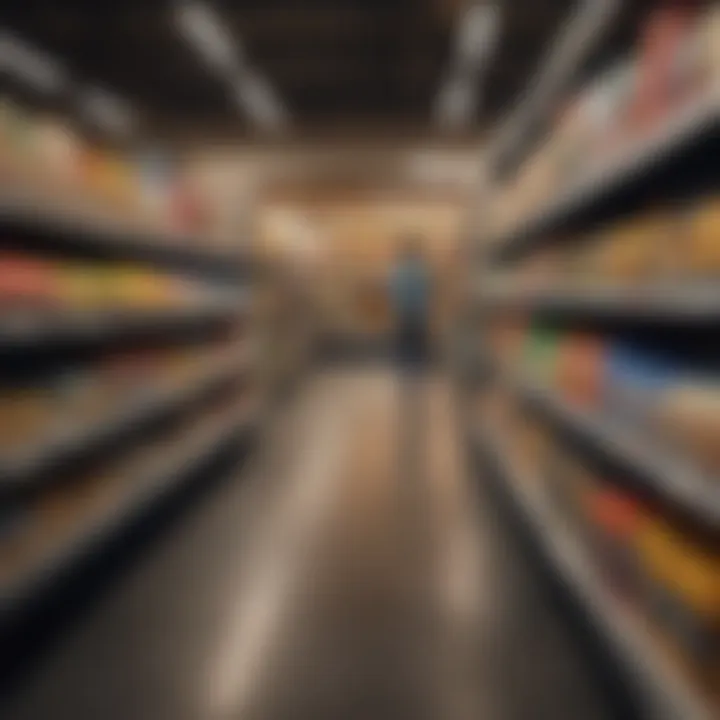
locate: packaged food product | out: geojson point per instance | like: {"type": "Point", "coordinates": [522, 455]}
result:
{"type": "Point", "coordinates": [683, 588]}
{"type": "Point", "coordinates": [581, 368]}
{"type": "Point", "coordinates": [80, 399]}
{"type": "Point", "coordinates": [507, 338]}
{"type": "Point", "coordinates": [55, 154]}
{"type": "Point", "coordinates": [622, 82]}
{"type": "Point", "coordinates": [540, 354]}
{"type": "Point", "coordinates": [8, 141]}
{"type": "Point", "coordinates": [26, 283]}
{"type": "Point", "coordinates": [540, 271]}
{"type": "Point", "coordinates": [709, 43]}
{"type": "Point", "coordinates": [81, 286]}
{"type": "Point", "coordinates": [616, 517]}
{"type": "Point", "coordinates": [570, 483]}
{"type": "Point", "coordinates": [635, 380]}
{"type": "Point", "coordinates": [688, 414]}
{"type": "Point", "coordinates": [27, 415]}
{"type": "Point", "coordinates": [702, 251]}
{"type": "Point", "coordinates": [661, 45]}
{"type": "Point", "coordinates": [18, 131]}
{"type": "Point", "coordinates": [534, 446]}
{"type": "Point", "coordinates": [636, 249]}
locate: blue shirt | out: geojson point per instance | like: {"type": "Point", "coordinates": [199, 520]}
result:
{"type": "Point", "coordinates": [410, 290]}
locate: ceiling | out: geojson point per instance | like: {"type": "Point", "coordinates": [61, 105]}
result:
{"type": "Point", "coordinates": [334, 63]}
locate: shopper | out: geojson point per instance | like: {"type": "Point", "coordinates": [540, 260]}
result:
{"type": "Point", "coordinates": [410, 301]}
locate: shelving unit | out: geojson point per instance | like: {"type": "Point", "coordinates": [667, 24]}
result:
{"type": "Point", "coordinates": [65, 497]}
{"type": "Point", "coordinates": [691, 127]}
{"type": "Point", "coordinates": [20, 333]}
{"type": "Point", "coordinates": [29, 468]}
{"type": "Point", "coordinates": [164, 475]}
{"type": "Point", "coordinates": [536, 315]}
{"type": "Point", "coordinates": [660, 472]}
{"type": "Point", "coordinates": [698, 303]}
{"type": "Point", "coordinates": [659, 689]}
{"type": "Point", "coordinates": [43, 225]}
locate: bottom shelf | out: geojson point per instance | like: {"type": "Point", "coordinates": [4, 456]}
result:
{"type": "Point", "coordinates": [143, 483]}
{"type": "Point", "coordinates": [660, 688]}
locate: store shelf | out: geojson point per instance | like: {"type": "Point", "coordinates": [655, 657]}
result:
{"type": "Point", "coordinates": [28, 332]}
{"type": "Point", "coordinates": [695, 124]}
{"type": "Point", "coordinates": [166, 474]}
{"type": "Point", "coordinates": [36, 466]}
{"type": "Point", "coordinates": [43, 222]}
{"type": "Point", "coordinates": [697, 303]}
{"type": "Point", "coordinates": [660, 472]}
{"type": "Point", "coordinates": [662, 691]}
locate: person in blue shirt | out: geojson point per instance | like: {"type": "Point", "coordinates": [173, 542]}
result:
{"type": "Point", "coordinates": [410, 289]}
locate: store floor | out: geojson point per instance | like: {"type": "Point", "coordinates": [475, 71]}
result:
{"type": "Point", "coordinates": [331, 579]}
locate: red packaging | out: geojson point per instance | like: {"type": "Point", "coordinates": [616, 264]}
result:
{"type": "Point", "coordinates": [580, 370]}
{"type": "Point", "coordinates": [664, 39]}
{"type": "Point", "coordinates": [26, 282]}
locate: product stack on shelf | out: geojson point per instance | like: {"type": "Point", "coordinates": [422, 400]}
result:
{"type": "Point", "coordinates": [668, 87]}
{"type": "Point", "coordinates": [50, 173]}
{"type": "Point", "coordinates": [600, 320]}
{"type": "Point", "coordinates": [127, 359]}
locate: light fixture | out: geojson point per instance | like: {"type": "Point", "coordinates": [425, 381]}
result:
{"type": "Point", "coordinates": [477, 34]}
{"type": "Point", "coordinates": [475, 40]}
{"type": "Point", "coordinates": [204, 30]}
{"type": "Point", "coordinates": [456, 102]}
{"type": "Point", "coordinates": [578, 37]}
{"type": "Point", "coordinates": [256, 98]}
{"type": "Point", "coordinates": [24, 62]}
{"type": "Point", "coordinates": [107, 111]}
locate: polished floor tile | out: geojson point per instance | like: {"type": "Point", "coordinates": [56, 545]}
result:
{"type": "Point", "coordinates": [354, 570]}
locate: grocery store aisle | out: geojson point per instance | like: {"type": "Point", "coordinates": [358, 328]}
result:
{"type": "Point", "coordinates": [328, 581]}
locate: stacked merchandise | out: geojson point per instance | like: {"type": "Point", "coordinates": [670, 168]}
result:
{"type": "Point", "coordinates": [666, 247]}
{"type": "Point", "coordinates": [136, 373]}
{"type": "Point", "coordinates": [607, 425]}
{"type": "Point", "coordinates": [45, 166]}
{"type": "Point", "coordinates": [50, 288]}
{"type": "Point", "coordinates": [661, 398]}
{"type": "Point", "coordinates": [664, 569]}
{"type": "Point", "coordinates": [676, 68]}
{"type": "Point", "coordinates": [61, 438]}
{"type": "Point", "coordinates": [666, 565]}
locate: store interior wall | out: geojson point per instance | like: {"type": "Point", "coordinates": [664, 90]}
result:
{"type": "Point", "coordinates": [320, 211]}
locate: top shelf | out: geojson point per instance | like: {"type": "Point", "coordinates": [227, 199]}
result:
{"type": "Point", "coordinates": [692, 127]}
{"type": "Point", "coordinates": [32, 223]}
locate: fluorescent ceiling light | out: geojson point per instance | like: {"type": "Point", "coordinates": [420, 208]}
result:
{"type": "Point", "coordinates": [30, 65]}
{"type": "Point", "coordinates": [107, 111]}
{"type": "Point", "coordinates": [456, 103]}
{"type": "Point", "coordinates": [256, 98]}
{"type": "Point", "coordinates": [204, 30]}
{"type": "Point", "coordinates": [577, 38]}
{"type": "Point", "coordinates": [477, 33]}
{"type": "Point", "coordinates": [251, 92]}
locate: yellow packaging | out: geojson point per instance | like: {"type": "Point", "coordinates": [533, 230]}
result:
{"type": "Point", "coordinates": [702, 253]}
{"type": "Point", "coordinates": [79, 287]}
{"type": "Point", "coordinates": [710, 44]}
{"type": "Point", "coordinates": [25, 417]}
{"type": "Point", "coordinates": [690, 415]}
{"type": "Point", "coordinates": [635, 250]}
{"type": "Point", "coordinates": [689, 571]}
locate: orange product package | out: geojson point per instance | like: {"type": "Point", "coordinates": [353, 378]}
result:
{"type": "Point", "coordinates": [26, 282]}
{"type": "Point", "coordinates": [663, 40]}
{"type": "Point", "coordinates": [580, 369]}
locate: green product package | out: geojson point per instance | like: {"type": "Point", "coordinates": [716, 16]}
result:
{"type": "Point", "coordinates": [540, 355]}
